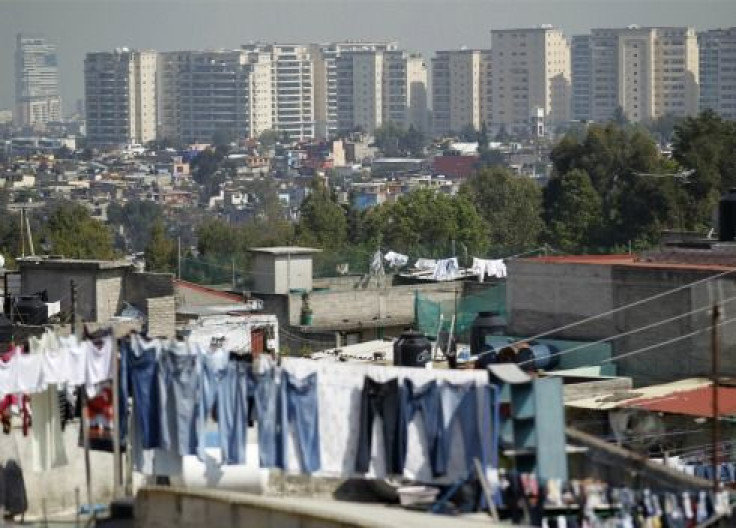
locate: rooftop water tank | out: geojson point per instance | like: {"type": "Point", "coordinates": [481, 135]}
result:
{"type": "Point", "coordinates": [485, 325]}
{"type": "Point", "coordinates": [727, 216]}
{"type": "Point", "coordinates": [412, 349]}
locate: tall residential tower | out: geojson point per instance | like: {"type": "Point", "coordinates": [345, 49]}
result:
{"type": "Point", "coordinates": [37, 97]}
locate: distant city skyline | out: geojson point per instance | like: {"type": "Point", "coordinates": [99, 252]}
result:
{"type": "Point", "coordinates": [79, 26]}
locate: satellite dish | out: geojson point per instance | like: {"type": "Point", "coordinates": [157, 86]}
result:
{"type": "Point", "coordinates": [2, 262]}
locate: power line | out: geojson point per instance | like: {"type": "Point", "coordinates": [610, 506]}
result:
{"type": "Point", "coordinates": [630, 332]}
{"type": "Point", "coordinates": [625, 307]}
{"type": "Point", "coordinates": [668, 342]}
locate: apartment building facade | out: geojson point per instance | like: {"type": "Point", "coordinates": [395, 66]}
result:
{"type": "Point", "coordinates": [581, 64]}
{"type": "Point", "coordinates": [37, 96]}
{"type": "Point", "coordinates": [647, 72]}
{"type": "Point", "coordinates": [374, 87]}
{"type": "Point", "coordinates": [460, 88]}
{"type": "Point", "coordinates": [531, 70]}
{"type": "Point", "coordinates": [717, 63]}
{"type": "Point", "coordinates": [203, 92]}
{"type": "Point", "coordinates": [120, 97]}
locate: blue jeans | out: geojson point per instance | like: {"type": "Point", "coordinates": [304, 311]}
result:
{"type": "Point", "coordinates": [426, 400]}
{"type": "Point", "coordinates": [232, 412]}
{"type": "Point", "coordinates": [303, 413]}
{"type": "Point", "coordinates": [269, 411]}
{"type": "Point", "coordinates": [459, 403]}
{"type": "Point", "coordinates": [139, 378]}
{"type": "Point", "coordinates": [214, 371]}
{"type": "Point", "coordinates": [179, 376]}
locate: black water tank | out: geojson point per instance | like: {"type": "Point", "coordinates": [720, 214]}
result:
{"type": "Point", "coordinates": [30, 310]}
{"type": "Point", "coordinates": [486, 324]}
{"type": "Point", "coordinates": [412, 349]}
{"type": "Point", "coordinates": [727, 216]}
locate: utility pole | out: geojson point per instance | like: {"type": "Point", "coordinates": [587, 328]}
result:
{"type": "Point", "coordinates": [30, 238]}
{"type": "Point", "coordinates": [22, 237]}
{"type": "Point", "coordinates": [715, 364]}
{"type": "Point", "coordinates": [178, 258]}
{"type": "Point", "coordinates": [83, 401]}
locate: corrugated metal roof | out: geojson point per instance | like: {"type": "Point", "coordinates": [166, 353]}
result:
{"type": "Point", "coordinates": [694, 402]}
{"type": "Point", "coordinates": [616, 400]}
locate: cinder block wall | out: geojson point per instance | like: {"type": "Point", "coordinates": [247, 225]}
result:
{"type": "Point", "coordinates": [161, 313]}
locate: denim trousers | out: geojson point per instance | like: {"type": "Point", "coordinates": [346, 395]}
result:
{"type": "Point", "coordinates": [214, 370]}
{"type": "Point", "coordinates": [459, 404]}
{"type": "Point", "coordinates": [232, 412]}
{"type": "Point", "coordinates": [384, 400]}
{"type": "Point", "coordinates": [139, 379]}
{"type": "Point", "coordinates": [302, 412]}
{"type": "Point", "coordinates": [269, 410]}
{"type": "Point", "coordinates": [426, 400]}
{"type": "Point", "coordinates": [179, 377]}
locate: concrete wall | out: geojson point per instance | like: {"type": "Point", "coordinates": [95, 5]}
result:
{"type": "Point", "coordinates": [139, 286]}
{"type": "Point", "coordinates": [161, 315]}
{"type": "Point", "coordinates": [57, 282]}
{"type": "Point", "coordinates": [165, 507]}
{"type": "Point", "coordinates": [281, 273]}
{"type": "Point", "coordinates": [544, 296]}
{"type": "Point", "coordinates": [109, 294]}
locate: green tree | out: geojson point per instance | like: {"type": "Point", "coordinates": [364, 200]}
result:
{"type": "Point", "coordinates": [161, 251]}
{"type": "Point", "coordinates": [135, 217]}
{"type": "Point", "coordinates": [425, 222]}
{"type": "Point", "coordinates": [468, 133]}
{"type": "Point", "coordinates": [322, 222]}
{"type": "Point", "coordinates": [572, 211]}
{"type": "Point", "coordinates": [707, 145]}
{"type": "Point", "coordinates": [511, 206]}
{"type": "Point", "coordinates": [268, 138]}
{"type": "Point", "coordinates": [69, 230]}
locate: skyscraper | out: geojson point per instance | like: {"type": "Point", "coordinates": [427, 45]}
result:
{"type": "Point", "coordinates": [530, 71]}
{"type": "Point", "coordinates": [376, 86]}
{"type": "Point", "coordinates": [459, 87]}
{"type": "Point", "coordinates": [647, 72]}
{"type": "Point", "coordinates": [718, 71]}
{"type": "Point", "coordinates": [120, 97]}
{"type": "Point", "coordinates": [581, 69]}
{"type": "Point", "coordinates": [206, 92]}
{"type": "Point", "coordinates": [37, 98]}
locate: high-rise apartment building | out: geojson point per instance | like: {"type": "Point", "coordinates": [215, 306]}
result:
{"type": "Point", "coordinates": [374, 87]}
{"type": "Point", "coordinates": [206, 92]}
{"type": "Point", "coordinates": [326, 79]}
{"type": "Point", "coordinates": [37, 96]}
{"type": "Point", "coordinates": [647, 72]}
{"type": "Point", "coordinates": [530, 71]}
{"type": "Point", "coordinates": [718, 71]}
{"type": "Point", "coordinates": [581, 69]}
{"type": "Point", "coordinates": [460, 85]}
{"type": "Point", "coordinates": [120, 97]}
{"type": "Point", "coordinates": [293, 87]}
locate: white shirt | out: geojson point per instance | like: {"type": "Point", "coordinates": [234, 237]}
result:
{"type": "Point", "coordinates": [29, 373]}
{"type": "Point", "coordinates": [55, 361]}
{"type": "Point", "coordinates": [98, 362]}
{"type": "Point", "coordinates": [76, 360]}
{"type": "Point", "coordinates": [9, 375]}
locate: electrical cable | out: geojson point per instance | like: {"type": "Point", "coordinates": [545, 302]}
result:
{"type": "Point", "coordinates": [625, 307]}
{"type": "Point", "coordinates": [630, 332]}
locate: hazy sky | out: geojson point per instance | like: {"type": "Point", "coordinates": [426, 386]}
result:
{"type": "Point", "coordinates": [79, 26]}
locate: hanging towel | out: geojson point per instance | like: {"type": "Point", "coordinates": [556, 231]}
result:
{"type": "Point", "coordinates": [446, 269]}
{"type": "Point", "coordinates": [396, 260]}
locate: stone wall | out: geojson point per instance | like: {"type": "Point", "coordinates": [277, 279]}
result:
{"type": "Point", "coordinates": [161, 314]}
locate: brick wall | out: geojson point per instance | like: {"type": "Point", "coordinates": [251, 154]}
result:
{"type": "Point", "coordinates": [161, 314]}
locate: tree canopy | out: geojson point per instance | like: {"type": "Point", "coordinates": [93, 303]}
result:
{"type": "Point", "coordinates": [71, 231]}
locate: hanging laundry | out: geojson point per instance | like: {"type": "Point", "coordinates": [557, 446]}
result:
{"type": "Point", "coordinates": [396, 260]}
{"type": "Point", "coordinates": [47, 440]}
{"type": "Point", "coordinates": [376, 267]}
{"type": "Point", "coordinates": [100, 415]}
{"type": "Point", "coordinates": [98, 354]}
{"type": "Point", "coordinates": [446, 269]}
{"type": "Point", "coordinates": [488, 268]}
{"type": "Point", "coordinates": [425, 264]}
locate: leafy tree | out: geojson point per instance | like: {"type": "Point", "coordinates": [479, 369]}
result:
{"type": "Point", "coordinates": [223, 137]}
{"type": "Point", "coordinates": [269, 138]}
{"type": "Point", "coordinates": [572, 211]}
{"type": "Point", "coordinates": [69, 230]}
{"type": "Point", "coordinates": [707, 145]}
{"type": "Point", "coordinates": [468, 133]}
{"type": "Point", "coordinates": [663, 128]}
{"type": "Point", "coordinates": [322, 222]}
{"type": "Point", "coordinates": [426, 222]}
{"type": "Point", "coordinates": [135, 217]}
{"type": "Point", "coordinates": [394, 140]}
{"type": "Point", "coordinates": [511, 206]}
{"type": "Point", "coordinates": [161, 251]}
{"type": "Point", "coordinates": [619, 117]}
{"type": "Point", "coordinates": [9, 236]}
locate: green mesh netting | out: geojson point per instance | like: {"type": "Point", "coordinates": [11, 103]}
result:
{"type": "Point", "coordinates": [428, 311]}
